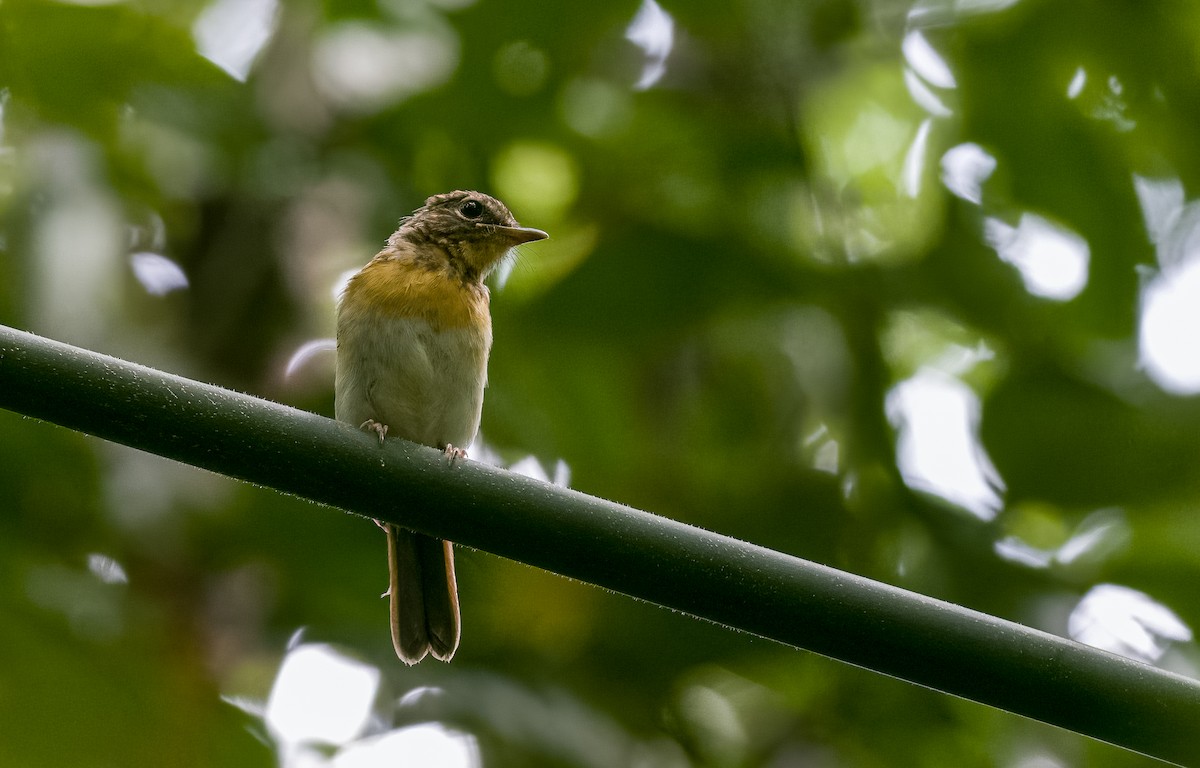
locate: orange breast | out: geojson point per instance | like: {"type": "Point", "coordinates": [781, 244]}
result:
{"type": "Point", "coordinates": [402, 288]}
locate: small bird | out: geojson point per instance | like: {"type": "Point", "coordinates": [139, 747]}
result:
{"type": "Point", "coordinates": [413, 336]}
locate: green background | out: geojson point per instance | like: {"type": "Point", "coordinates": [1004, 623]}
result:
{"type": "Point", "coordinates": [740, 271]}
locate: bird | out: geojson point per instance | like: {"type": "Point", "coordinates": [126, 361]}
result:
{"type": "Point", "coordinates": [414, 333]}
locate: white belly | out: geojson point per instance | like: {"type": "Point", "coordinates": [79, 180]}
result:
{"type": "Point", "coordinates": [425, 385]}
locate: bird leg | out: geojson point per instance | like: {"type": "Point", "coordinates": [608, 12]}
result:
{"type": "Point", "coordinates": [370, 425]}
{"type": "Point", "coordinates": [453, 454]}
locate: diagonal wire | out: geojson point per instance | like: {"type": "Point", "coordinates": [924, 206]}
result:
{"type": "Point", "coordinates": [740, 585]}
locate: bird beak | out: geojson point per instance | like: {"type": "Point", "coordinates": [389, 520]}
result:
{"type": "Point", "coordinates": [520, 235]}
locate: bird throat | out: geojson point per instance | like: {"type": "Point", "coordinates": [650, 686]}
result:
{"type": "Point", "coordinates": [400, 287]}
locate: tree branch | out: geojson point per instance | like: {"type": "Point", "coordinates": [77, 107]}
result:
{"type": "Point", "coordinates": [767, 593]}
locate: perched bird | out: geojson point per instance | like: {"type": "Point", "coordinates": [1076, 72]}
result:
{"type": "Point", "coordinates": [413, 337]}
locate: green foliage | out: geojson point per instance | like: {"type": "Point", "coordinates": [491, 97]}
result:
{"type": "Point", "coordinates": [748, 260]}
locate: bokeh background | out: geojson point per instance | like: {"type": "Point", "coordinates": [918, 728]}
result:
{"type": "Point", "coordinates": [908, 288]}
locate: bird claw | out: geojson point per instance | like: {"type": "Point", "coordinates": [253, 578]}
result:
{"type": "Point", "coordinates": [370, 425]}
{"type": "Point", "coordinates": [453, 454]}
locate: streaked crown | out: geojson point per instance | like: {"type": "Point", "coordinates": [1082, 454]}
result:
{"type": "Point", "coordinates": [469, 226]}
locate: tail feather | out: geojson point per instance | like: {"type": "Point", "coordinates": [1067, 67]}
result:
{"type": "Point", "coordinates": [440, 591]}
{"type": "Point", "coordinates": [423, 596]}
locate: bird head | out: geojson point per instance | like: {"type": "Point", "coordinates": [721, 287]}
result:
{"type": "Point", "coordinates": [475, 230]}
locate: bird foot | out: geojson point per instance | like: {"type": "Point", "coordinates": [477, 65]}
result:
{"type": "Point", "coordinates": [370, 425]}
{"type": "Point", "coordinates": [453, 454]}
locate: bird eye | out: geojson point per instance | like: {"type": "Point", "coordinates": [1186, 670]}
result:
{"type": "Point", "coordinates": [472, 209]}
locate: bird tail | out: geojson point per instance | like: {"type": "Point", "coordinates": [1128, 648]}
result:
{"type": "Point", "coordinates": [423, 595]}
